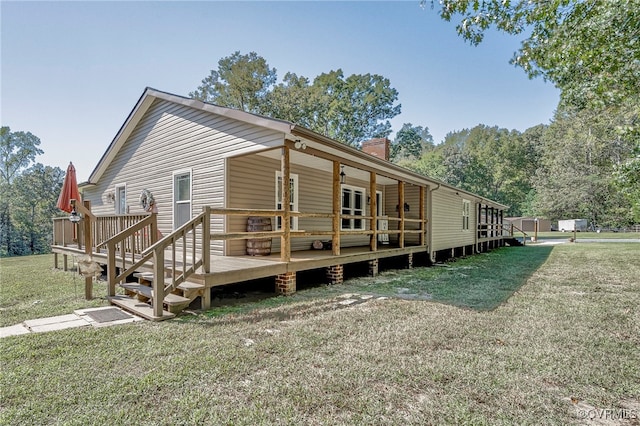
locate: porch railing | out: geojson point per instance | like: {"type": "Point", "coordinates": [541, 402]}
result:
{"type": "Point", "coordinates": [241, 235]}
{"type": "Point", "coordinates": [66, 233]}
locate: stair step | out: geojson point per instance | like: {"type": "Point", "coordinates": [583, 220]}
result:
{"type": "Point", "coordinates": [170, 299]}
{"type": "Point", "coordinates": [136, 307]}
{"type": "Point", "coordinates": [187, 285]}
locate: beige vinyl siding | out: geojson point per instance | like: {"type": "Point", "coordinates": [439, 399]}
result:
{"type": "Point", "coordinates": [411, 197]}
{"type": "Point", "coordinates": [172, 137]}
{"type": "Point", "coordinates": [447, 221]}
{"type": "Point", "coordinates": [252, 185]}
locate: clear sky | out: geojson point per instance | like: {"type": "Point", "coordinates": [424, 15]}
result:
{"type": "Point", "coordinates": [72, 71]}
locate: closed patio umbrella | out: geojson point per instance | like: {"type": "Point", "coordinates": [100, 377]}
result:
{"type": "Point", "coordinates": [69, 190]}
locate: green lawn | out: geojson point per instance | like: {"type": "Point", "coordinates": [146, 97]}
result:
{"type": "Point", "coordinates": [564, 340]}
{"type": "Point", "coordinates": [31, 289]}
{"type": "Point", "coordinates": [587, 235]}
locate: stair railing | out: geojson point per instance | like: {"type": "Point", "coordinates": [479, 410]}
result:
{"type": "Point", "coordinates": [122, 248]}
{"type": "Point", "coordinates": [511, 231]}
{"type": "Point", "coordinates": [184, 262]}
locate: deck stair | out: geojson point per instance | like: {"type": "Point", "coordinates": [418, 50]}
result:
{"type": "Point", "coordinates": [173, 302]}
{"type": "Point", "coordinates": [513, 242]}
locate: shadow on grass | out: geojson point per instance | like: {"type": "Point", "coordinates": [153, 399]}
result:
{"type": "Point", "coordinates": [481, 282]}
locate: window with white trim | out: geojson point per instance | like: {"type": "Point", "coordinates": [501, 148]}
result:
{"type": "Point", "coordinates": [466, 209]}
{"type": "Point", "coordinates": [293, 201]}
{"type": "Point", "coordinates": [181, 198]}
{"type": "Point", "coordinates": [353, 203]}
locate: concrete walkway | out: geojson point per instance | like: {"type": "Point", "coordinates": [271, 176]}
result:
{"type": "Point", "coordinates": [79, 318]}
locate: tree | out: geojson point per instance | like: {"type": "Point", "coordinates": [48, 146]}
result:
{"type": "Point", "coordinates": [581, 152]}
{"type": "Point", "coordinates": [489, 161]}
{"type": "Point", "coordinates": [36, 191]}
{"type": "Point", "coordinates": [627, 180]}
{"type": "Point", "coordinates": [350, 109]}
{"type": "Point", "coordinates": [589, 49]}
{"type": "Point", "coordinates": [292, 100]}
{"type": "Point", "coordinates": [411, 142]}
{"type": "Point", "coordinates": [353, 109]}
{"type": "Point", "coordinates": [17, 151]}
{"type": "Point", "coordinates": [241, 82]}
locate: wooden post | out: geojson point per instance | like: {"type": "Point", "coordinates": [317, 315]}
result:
{"type": "Point", "coordinates": [206, 241]}
{"type": "Point", "coordinates": [158, 281]}
{"type": "Point", "coordinates": [423, 225]}
{"type": "Point", "coordinates": [285, 240]}
{"type": "Point", "coordinates": [88, 249]}
{"type": "Point", "coordinates": [373, 212]}
{"type": "Point", "coordinates": [337, 193]}
{"type": "Point", "coordinates": [111, 269]}
{"type": "Point", "coordinates": [430, 220]}
{"type": "Point", "coordinates": [205, 298]}
{"type": "Point", "coordinates": [401, 213]}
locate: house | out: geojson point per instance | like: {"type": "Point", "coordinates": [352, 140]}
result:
{"type": "Point", "coordinates": [215, 176]}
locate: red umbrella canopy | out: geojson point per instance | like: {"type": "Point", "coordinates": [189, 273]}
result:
{"type": "Point", "coordinates": [69, 190]}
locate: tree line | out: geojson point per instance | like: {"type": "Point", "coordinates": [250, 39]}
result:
{"type": "Point", "coordinates": [585, 163]}
{"type": "Point", "coordinates": [29, 194]}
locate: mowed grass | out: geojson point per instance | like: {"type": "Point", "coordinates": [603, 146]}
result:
{"type": "Point", "coordinates": [31, 288]}
{"type": "Point", "coordinates": [567, 339]}
{"type": "Point", "coordinates": [555, 235]}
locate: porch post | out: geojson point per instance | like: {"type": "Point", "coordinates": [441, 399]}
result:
{"type": "Point", "coordinates": [430, 222]}
{"type": "Point", "coordinates": [373, 212]}
{"type": "Point", "coordinates": [285, 240]}
{"type": "Point", "coordinates": [423, 225]}
{"type": "Point", "coordinates": [335, 241]}
{"type": "Point", "coordinates": [401, 213]}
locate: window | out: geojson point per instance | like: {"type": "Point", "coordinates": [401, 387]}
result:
{"type": "Point", "coordinates": [353, 204]}
{"type": "Point", "coordinates": [121, 199]}
{"type": "Point", "coordinates": [466, 208]}
{"type": "Point", "coordinates": [181, 198]}
{"type": "Point", "coordinates": [293, 202]}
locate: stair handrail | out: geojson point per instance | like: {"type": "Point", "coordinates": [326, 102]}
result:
{"type": "Point", "coordinates": [156, 251]}
{"type": "Point", "coordinates": [118, 239]}
{"type": "Point", "coordinates": [524, 234]}
{"type": "Point", "coordinates": [162, 288]}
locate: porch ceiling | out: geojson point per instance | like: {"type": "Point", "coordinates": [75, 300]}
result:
{"type": "Point", "coordinates": [313, 162]}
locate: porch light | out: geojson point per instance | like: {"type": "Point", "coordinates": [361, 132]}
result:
{"type": "Point", "coordinates": [74, 217]}
{"type": "Point", "coordinates": [343, 176]}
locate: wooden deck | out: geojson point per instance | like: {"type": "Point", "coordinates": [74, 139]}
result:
{"type": "Point", "coordinates": [234, 269]}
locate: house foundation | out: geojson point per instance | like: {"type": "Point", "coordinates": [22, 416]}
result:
{"type": "Point", "coordinates": [286, 283]}
{"type": "Point", "coordinates": [335, 274]}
